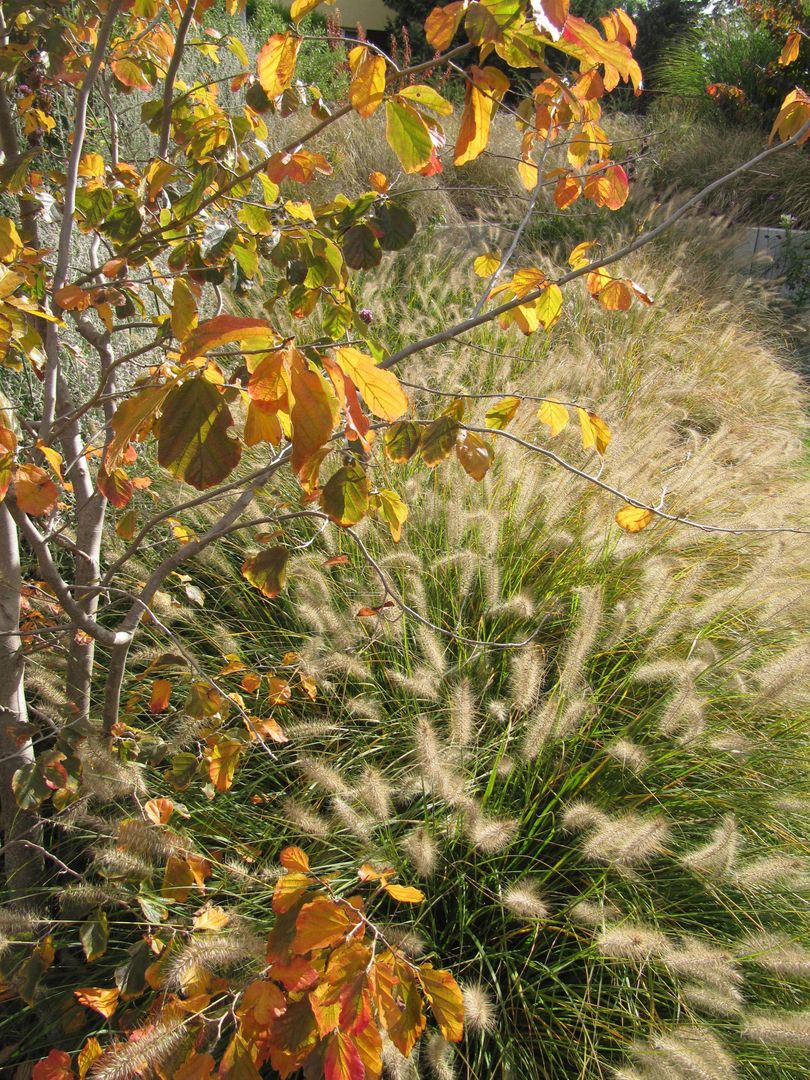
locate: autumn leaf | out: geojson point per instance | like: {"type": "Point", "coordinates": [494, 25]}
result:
{"type": "Point", "coordinates": [380, 388]}
{"type": "Point", "coordinates": [94, 934]}
{"type": "Point", "coordinates": [345, 495]}
{"type": "Point", "coordinates": [438, 440]}
{"type": "Point", "coordinates": [210, 917]}
{"type": "Point", "coordinates": [393, 510]}
{"type": "Point", "coordinates": [633, 518]}
{"type": "Point", "coordinates": [158, 810]}
{"type": "Point", "coordinates": [595, 432]}
{"type": "Point", "coordinates": [485, 90]}
{"type": "Point", "coordinates": [445, 999]}
{"type": "Point", "coordinates": [223, 756]}
{"type": "Point", "coordinates": [34, 490]}
{"type": "Point", "coordinates": [408, 135]}
{"type": "Point", "coordinates": [178, 880]}
{"type": "Point", "coordinates": [276, 63]}
{"type": "Point", "coordinates": [197, 1067]}
{"type": "Point", "coordinates": [194, 444]}
{"type": "Point", "coordinates": [56, 1066]}
{"type": "Point", "coordinates": [102, 1000]}
{"type": "Point", "coordinates": [320, 924]}
{"type": "Point", "coordinates": [159, 697]}
{"type": "Point", "coordinates": [405, 894]}
{"type": "Point", "coordinates": [367, 84]}
{"type": "Point", "coordinates": [486, 265]}
{"type": "Point", "coordinates": [294, 858]}
{"type": "Point", "coordinates": [554, 415]}
{"type": "Point", "coordinates": [342, 1060]}
{"type": "Point", "coordinates": [500, 415]}
{"type": "Point", "coordinates": [401, 441]}
{"type": "Point", "coordinates": [790, 50]}
{"type": "Point", "coordinates": [442, 23]}
{"type": "Point", "coordinates": [550, 17]}
{"type": "Point", "coordinates": [267, 570]}
{"type": "Point", "coordinates": [475, 455]}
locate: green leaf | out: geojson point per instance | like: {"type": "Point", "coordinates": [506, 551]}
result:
{"type": "Point", "coordinates": [438, 440]}
{"type": "Point", "coordinates": [130, 977]}
{"type": "Point", "coordinates": [193, 444]}
{"type": "Point", "coordinates": [29, 787]}
{"type": "Point", "coordinates": [94, 935]}
{"type": "Point", "coordinates": [502, 413]}
{"type": "Point", "coordinates": [396, 225]}
{"type": "Point", "coordinates": [408, 135]}
{"type": "Point", "coordinates": [401, 441]}
{"type": "Point", "coordinates": [267, 571]}
{"type": "Point", "coordinates": [345, 496]}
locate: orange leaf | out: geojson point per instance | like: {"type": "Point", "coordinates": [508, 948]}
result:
{"type": "Point", "coordinates": [342, 1060]}
{"type": "Point", "coordinates": [378, 181]}
{"type": "Point", "coordinates": [313, 415]}
{"type": "Point", "coordinates": [288, 891]}
{"type": "Point", "coordinates": [159, 810]}
{"type": "Point", "coordinates": [442, 23]}
{"type": "Point", "coordinates": [103, 1000]}
{"type": "Point", "coordinates": [276, 63]}
{"type": "Point", "coordinates": [224, 329]}
{"type": "Point", "coordinates": [368, 80]}
{"type": "Point", "coordinates": [56, 1066]}
{"type": "Point", "coordinates": [486, 89]}
{"type": "Point", "coordinates": [550, 17]}
{"type": "Point", "coordinates": [159, 698]}
{"type": "Point", "coordinates": [445, 999]}
{"type": "Point", "coordinates": [790, 50]}
{"type": "Point", "coordinates": [320, 924]}
{"type": "Point", "coordinates": [197, 1067]}
{"type": "Point", "coordinates": [278, 690]}
{"type": "Point", "coordinates": [294, 858]}
{"type": "Point", "coordinates": [36, 493]}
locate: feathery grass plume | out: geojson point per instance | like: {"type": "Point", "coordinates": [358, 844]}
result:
{"type": "Point", "coordinates": [525, 900]}
{"type": "Point", "coordinates": [617, 625]}
{"type": "Point", "coordinates": [342, 663]}
{"type": "Point", "coordinates": [111, 862]}
{"type": "Point", "coordinates": [576, 712]}
{"type": "Point", "coordinates": [716, 859]}
{"type": "Point", "coordinates": [656, 586]}
{"type": "Point", "coordinates": [631, 941]}
{"type": "Point", "coordinates": [422, 684]}
{"type": "Point", "coordinates": [505, 766]}
{"type": "Point", "coordinates": [488, 834]}
{"type": "Point", "coordinates": [774, 872]}
{"type": "Point", "coordinates": [776, 953]}
{"type": "Point", "coordinates": [364, 708]}
{"type": "Point", "coordinates": [662, 671]}
{"type": "Point", "coordinates": [588, 913]}
{"type": "Point", "coordinates": [144, 838]}
{"type": "Point", "coordinates": [19, 921]}
{"type": "Point", "coordinates": [695, 1053]}
{"type": "Point", "coordinates": [627, 840]}
{"type": "Point", "coordinates": [713, 1000]}
{"type": "Point", "coordinates": [519, 606]}
{"type": "Point", "coordinates": [480, 1011]}
{"type": "Point", "coordinates": [145, 1055]}
{"type": "Point", "coordinates": [582, 814]}
{"type": "Point", "coordinates": [212, 954]}
{"type": "Point", "coordinates": [490, 575]}
{"type": "Point", "coordinates": [75, 900]}
{"type": "Point", "coordinates": [420, 848]}
{"type": "Point", "coordinates": [322, 775]}
{"type": "Point", "coordinates": [465, 561]}
{"type": "Point", "coordinates": [499, 710]}
{"type": "Point", "coordinates": [462, 713]}
{"type": "Point", "coordinates": [351, 819]}
{"type": "Point", "coordinates": [731, 742]}
{"type": "Point", "coordinates": [438, 1054]}
{"type": "Point", "coordinates": [374, 791]}
{"type": "Point", "coordinates": [395, 1065]}
{"type": "Point", "coordinates": [433, 648]}
{"type": "Point", "coordinates": [581, 643]}
{"type": "Point", "coordinates": [406, 939]}
{"type": "Point", "coordinates": [540, 726]}
{"type": "Point", "coordinates": [792, 804]}
{"type": "Point", "coordinates": [778, 1029]}
{"type": "Point", "coordinates": [526, 673]}
{"type": "Point", "coordinates": [785, 677]}
{"type": "Point", "coordinates": [305, 818]}
{"type": "Point", "coordinates": [437, 771]}
{"type": "Point", "coordinates": [684, 717]}
{"type": "Point", "coordinates": [309, 730]}
{"type": "Point", "coordinates": [696, 959]}
{"type": "Point", "coordinates": [628, 754]}
{"type": "Point", "coordinates": [105, 777]}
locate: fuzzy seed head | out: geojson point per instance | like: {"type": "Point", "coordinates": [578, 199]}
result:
{"type": "Point", "coordinates": [631, 941]}
{"type": "Point", "coordinates": [480, 1012]}
{"type": "Point", "coordinates": [525, 900]}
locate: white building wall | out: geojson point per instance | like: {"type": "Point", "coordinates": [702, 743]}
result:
{"type": "Point", "coordinates": [372, 14]}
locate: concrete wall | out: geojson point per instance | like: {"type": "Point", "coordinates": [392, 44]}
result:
{"type": "Point", "coordinates": [372, 14]}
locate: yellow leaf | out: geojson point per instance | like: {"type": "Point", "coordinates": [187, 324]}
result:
{"type": "Point", "coordinates": [300, 8]}
{"type": "Point", "coordinates": [294, 858]}
{"type": "Point", "coordinates": [408, 135]}
{"type": "Point", "coordinates": [442, 23]}
{"type": "Point", "coordinates": [91, 165]}
{"type": "Point", "coordinates": [406, 894]}
{"type": "Point", "coordinates": [445, 999]}
{"type": "Point", "coordinates": [395, 512]}
{"type": "Point", "coordinates": [579, 256]}
{"type": "Point", "coordinates": [184, 309]}
{"type": "Point", "coordinates": [381, 389]}
{"type": "Point", "coordinates": [633, 518]}
{"type": "Point", "coordinates": [379, 181]}
{"type": "Point", "coordinates": [210, 918]}
{"type": "Point", "coordinates": [224, 754]}
{"type": "Point", "coordinates": [368, 80]}
{"type": "Point", "coordinates": [486, 265]}
{"type": "Point", "coordinates": [302, 211]}
{"type": "Point", "coordinates": [159, 810]}
{"type": "Point", "coordinates": [790, 51]}
{"type": "Point", "coordinates": [595, 432]}
{"type": "Point", "coordinates": [276, 63]}
{"type": "Point", "coordinates": [502, 413]}
{"type": "Point", "coordinates": [553, 415]}
{"type": "Point", "coordinates": [488, 85]}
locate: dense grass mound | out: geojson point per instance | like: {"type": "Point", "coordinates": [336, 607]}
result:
{"type": "Point", "coordinates": [609, 823]}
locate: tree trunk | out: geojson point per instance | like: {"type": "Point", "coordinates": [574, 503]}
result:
{"type": "Point", "coordinates": [23, 865]}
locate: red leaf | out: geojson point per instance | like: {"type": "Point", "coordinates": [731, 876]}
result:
{"type": "Point", "coordinates": [342, 1060]}
{"type": "Point", "coordinates": [56, 1066]}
